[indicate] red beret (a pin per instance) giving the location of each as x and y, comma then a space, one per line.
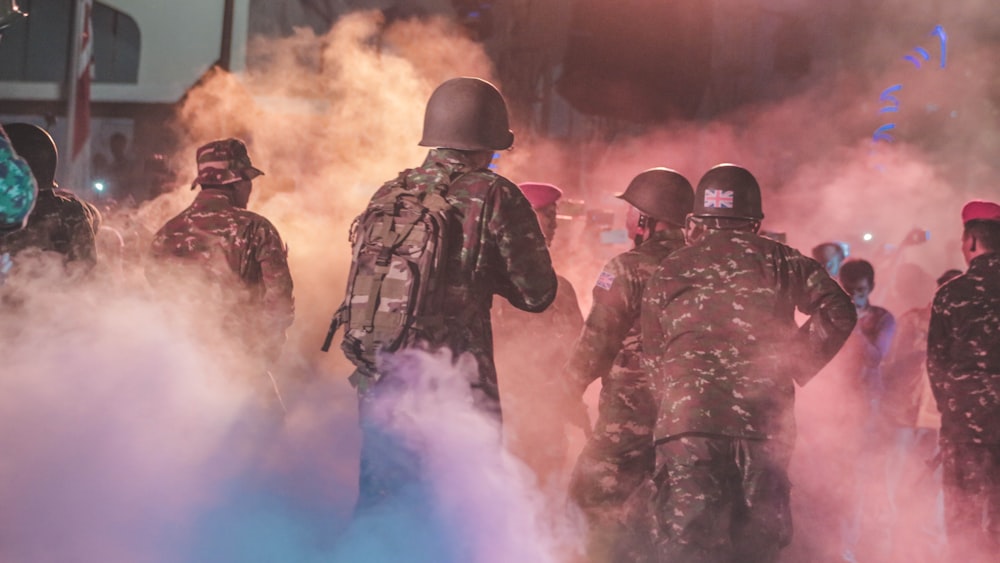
978, 209
539, 195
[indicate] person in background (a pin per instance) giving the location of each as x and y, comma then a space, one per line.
911, 415
232, 251
831, 255
530, 350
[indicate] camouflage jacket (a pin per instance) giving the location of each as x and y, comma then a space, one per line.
609, 346
499, 250
963, 353
720, 341
229, 245
60, 223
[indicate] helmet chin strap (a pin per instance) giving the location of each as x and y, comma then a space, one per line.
645, 226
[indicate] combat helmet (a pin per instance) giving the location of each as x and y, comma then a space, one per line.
468, 114
728, 191
662, 194
36, 147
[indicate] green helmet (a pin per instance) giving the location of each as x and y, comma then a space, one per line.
728, 191
9, 13
661, 193
467, 114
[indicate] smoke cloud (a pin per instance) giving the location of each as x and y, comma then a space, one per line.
134, 434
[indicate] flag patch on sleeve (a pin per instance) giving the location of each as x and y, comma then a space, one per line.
605, 280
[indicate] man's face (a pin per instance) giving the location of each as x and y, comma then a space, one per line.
547, 221
859, 291
830, 258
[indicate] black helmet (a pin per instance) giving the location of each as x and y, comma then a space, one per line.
661, 193
468, 114
36, 147
728, 191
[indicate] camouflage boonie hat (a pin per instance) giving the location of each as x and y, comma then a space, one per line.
224, 162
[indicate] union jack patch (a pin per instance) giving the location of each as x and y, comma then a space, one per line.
605, 280
719, 199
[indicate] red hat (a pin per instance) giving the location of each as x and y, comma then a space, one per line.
978, 209
539, 195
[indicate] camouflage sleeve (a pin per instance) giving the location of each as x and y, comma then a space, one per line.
938, 336
650, 322
831, 312
277, 301
83, 234
613, 313
527, 278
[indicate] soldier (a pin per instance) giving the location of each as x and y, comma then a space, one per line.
618, 455
963, 364
61, 222
530, 348
722, 350
216, 240
498, 250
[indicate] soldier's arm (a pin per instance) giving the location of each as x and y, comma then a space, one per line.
83, 234
277, 300
938, 335
831, 312
614, 311
651, 323
528, 280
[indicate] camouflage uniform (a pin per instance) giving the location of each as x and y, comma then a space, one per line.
963, 363
499, 251
619, 454
229, 247
722, 350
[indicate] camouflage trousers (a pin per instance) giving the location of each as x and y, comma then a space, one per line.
971, 482
616, 460
721, 500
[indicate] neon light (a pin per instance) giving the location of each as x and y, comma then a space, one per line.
943, 38
881, 135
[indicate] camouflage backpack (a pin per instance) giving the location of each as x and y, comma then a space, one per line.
394, 287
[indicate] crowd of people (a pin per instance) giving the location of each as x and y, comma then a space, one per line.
700, 335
